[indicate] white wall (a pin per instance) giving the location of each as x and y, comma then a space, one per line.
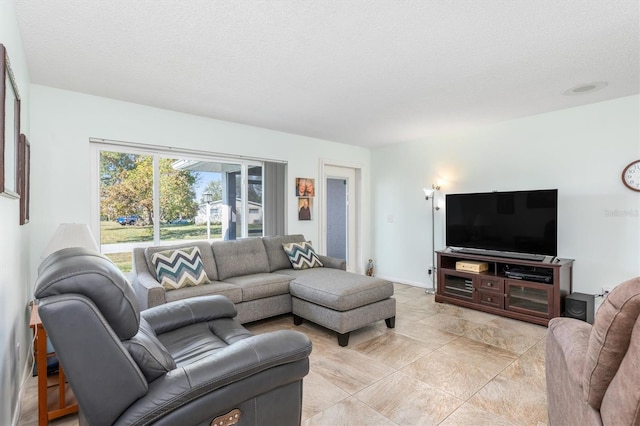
63, 123
14, 249
581, 151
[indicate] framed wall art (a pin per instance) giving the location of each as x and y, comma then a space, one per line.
24, 178
305, 187
9, 127
304, 208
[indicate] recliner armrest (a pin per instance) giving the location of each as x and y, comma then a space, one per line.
572, 338
231, 365
181, 313
333, 262
248, 357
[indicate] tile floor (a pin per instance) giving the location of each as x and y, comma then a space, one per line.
441, 365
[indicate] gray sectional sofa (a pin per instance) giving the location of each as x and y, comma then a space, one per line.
257, 276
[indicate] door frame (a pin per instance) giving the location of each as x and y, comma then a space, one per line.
355, 265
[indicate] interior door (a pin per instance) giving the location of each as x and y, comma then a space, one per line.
337, 213
340, 214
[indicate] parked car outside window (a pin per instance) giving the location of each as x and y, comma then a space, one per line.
128, 220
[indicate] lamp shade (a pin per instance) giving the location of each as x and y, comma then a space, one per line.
71, 235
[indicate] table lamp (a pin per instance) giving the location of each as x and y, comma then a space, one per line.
71, 235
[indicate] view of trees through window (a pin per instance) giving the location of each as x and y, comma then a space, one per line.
185, 191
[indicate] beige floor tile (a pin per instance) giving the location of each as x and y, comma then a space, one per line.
371, 331
529, 368
502, 338
527, 328
450, 323
407, 401
404, 297
395, 350
468, 415
412, 313
516, 401
449, 374
350, 370
478, 354
399, 288
415, 296
537, 351
318, 394
423, 331
348, 412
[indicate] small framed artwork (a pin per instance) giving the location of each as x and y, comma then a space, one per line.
304, 208
305, 187
9, 127
24, 177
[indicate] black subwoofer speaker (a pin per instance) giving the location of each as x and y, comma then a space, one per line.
579, 306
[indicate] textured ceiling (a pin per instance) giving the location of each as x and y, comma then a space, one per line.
363, 72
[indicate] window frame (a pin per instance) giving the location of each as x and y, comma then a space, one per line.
158, 152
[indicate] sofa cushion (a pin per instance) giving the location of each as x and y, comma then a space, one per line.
609, 339
148, 353
337, 289
240, 257
179, 268
301, 255
278, 259
205, 253
230, 291
259, 286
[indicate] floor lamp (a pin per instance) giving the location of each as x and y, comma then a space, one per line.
430, 195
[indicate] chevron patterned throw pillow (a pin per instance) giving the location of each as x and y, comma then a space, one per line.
179, 268
302, 256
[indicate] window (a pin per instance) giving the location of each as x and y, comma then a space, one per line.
148, 198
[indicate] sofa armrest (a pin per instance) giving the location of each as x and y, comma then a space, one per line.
222, 370
332, 262
181, 313
149, 292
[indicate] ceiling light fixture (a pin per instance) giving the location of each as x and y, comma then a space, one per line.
583, 89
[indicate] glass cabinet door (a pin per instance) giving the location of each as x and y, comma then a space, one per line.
529, 298
458, 286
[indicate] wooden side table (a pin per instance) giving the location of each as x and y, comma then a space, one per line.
40, 354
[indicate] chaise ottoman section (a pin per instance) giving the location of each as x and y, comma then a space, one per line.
339, 300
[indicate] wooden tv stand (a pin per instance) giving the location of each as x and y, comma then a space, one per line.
528, 299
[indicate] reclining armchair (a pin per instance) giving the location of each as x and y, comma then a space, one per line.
182, 363
593, 372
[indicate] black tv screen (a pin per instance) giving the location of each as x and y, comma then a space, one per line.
516, 221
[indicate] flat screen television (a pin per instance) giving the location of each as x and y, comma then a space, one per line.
504, 222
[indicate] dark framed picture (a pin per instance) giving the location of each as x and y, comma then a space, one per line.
304, 208
24, 178
305, 187
9, 127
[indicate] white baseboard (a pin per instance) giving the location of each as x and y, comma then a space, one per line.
407, 282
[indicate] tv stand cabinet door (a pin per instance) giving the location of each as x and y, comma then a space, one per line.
457, 285
529, 298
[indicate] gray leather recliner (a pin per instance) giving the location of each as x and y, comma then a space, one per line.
181, 363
